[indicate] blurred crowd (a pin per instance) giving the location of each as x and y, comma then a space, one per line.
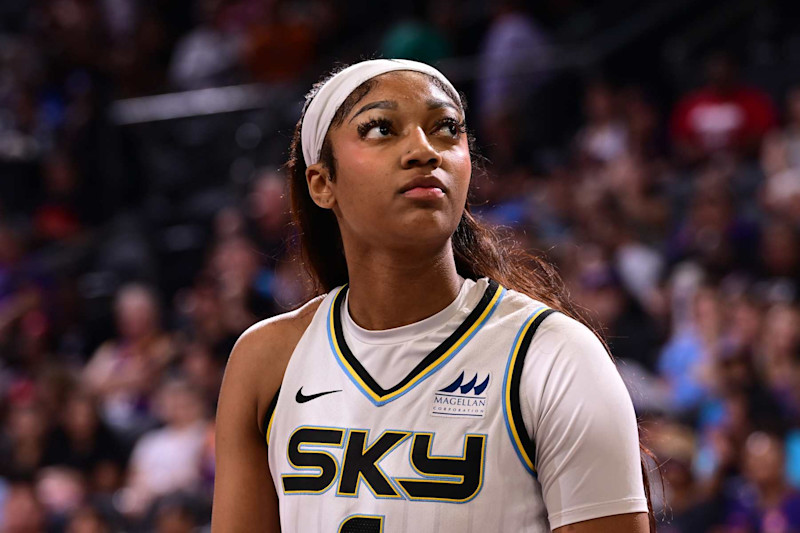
132, 257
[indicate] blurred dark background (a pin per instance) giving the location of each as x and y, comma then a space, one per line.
649, 149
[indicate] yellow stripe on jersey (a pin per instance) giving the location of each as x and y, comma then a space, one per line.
507, 405
269, 426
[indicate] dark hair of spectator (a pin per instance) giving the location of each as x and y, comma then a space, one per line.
480, 250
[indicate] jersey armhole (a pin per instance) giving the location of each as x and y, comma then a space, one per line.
310, 308
269, 416
521, 437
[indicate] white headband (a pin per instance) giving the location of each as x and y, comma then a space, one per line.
326, 102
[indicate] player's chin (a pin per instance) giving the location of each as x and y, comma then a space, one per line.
426, 226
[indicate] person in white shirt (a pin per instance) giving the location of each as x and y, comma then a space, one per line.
168, 459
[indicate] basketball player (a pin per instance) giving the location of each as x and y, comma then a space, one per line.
432, 386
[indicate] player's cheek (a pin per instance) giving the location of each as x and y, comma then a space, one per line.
461, 163
361, 160
363, 205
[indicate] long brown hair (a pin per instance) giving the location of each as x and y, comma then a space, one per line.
480, 250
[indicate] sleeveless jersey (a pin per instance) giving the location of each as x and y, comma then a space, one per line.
447, 448
441, 450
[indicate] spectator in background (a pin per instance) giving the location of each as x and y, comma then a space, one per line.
59, 214
282, 45
175, 515
16, 297
419, 38
267, 210
23, 445
30, 355
780, 161
643, 122
124, 370
203, 370
633, 182
87, 520
169, 460
208, 55
714, 232
552, 207
735, 403
689, 508
617, 222
242, 281
207, 320
723, 116
514, 60
61, 492
745, 321
690, 351
82, 441
22, 512
776, 353
629, 331
72, 32
791, 132
605, 137
779, 260
140, 47
765, 502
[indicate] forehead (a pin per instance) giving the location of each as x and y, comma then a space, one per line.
404, 86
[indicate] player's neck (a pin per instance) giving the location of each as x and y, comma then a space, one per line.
393, 289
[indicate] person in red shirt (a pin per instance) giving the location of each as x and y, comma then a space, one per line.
725, 115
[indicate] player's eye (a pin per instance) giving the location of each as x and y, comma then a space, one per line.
375, 129
450, 127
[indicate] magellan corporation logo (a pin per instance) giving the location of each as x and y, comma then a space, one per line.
464, 397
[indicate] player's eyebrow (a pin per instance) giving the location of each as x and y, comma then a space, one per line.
435, 103
380, 104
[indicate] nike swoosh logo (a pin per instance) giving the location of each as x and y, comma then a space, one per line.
302, 398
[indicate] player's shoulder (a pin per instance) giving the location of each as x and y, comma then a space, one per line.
517, 307
274, 339
566, 343
562, 326
259, 358
556, 332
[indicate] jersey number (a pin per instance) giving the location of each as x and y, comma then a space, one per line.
455, 479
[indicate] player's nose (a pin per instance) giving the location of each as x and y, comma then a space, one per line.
419, 152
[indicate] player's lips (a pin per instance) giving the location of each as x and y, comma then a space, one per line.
424, 187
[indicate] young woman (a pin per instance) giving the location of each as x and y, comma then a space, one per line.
431, 386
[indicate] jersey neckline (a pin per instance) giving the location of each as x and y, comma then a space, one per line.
408, 332
427, 366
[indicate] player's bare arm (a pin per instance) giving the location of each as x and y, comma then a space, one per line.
622, 523
244, 494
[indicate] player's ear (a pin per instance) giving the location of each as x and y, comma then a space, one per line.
320, 188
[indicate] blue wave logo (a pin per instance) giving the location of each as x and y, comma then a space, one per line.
464, 388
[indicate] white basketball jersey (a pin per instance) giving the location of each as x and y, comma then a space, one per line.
444, 449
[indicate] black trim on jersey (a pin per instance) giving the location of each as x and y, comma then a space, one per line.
268, 414
516, 378
430, 358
